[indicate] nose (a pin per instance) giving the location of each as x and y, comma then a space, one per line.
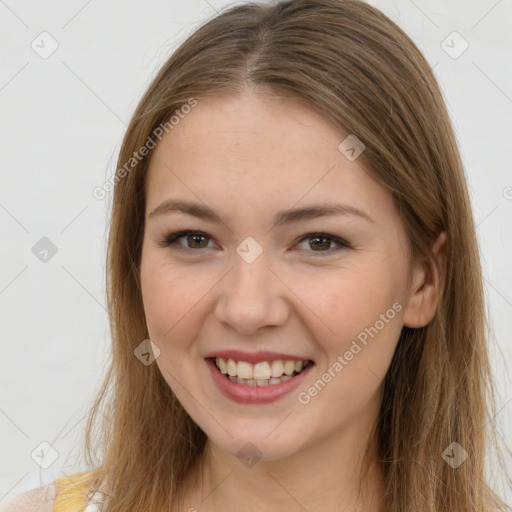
252, 296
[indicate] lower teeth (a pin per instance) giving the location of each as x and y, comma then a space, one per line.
261, 382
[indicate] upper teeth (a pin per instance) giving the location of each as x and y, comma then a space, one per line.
262, 370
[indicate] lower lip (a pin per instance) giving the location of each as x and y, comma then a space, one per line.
254, 394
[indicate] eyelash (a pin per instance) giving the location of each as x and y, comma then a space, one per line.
172, 238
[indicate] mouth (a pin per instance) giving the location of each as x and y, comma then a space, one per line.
260, 374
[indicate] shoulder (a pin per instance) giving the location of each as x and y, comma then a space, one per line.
41, 499
69, 493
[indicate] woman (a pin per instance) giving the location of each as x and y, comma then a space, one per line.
294, 281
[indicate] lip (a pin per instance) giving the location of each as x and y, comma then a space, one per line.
255, 357
254, 394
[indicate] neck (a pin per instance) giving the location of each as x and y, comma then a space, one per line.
324, 476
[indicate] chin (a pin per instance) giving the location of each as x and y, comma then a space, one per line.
251, 444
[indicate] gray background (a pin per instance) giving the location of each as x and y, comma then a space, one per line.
62, 121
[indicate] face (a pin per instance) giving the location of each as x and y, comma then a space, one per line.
330, 289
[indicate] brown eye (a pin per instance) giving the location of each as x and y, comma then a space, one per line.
322, 242
196, 241
193, 240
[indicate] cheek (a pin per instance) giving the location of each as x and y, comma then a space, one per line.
360, 309
169, 296
169, 300
351, 299
364, 311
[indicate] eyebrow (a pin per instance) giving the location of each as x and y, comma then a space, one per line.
281, 218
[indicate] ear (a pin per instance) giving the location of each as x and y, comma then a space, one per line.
427, 285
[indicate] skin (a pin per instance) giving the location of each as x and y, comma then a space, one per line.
248, 156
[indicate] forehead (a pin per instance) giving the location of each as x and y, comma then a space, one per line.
247, 149
251, 127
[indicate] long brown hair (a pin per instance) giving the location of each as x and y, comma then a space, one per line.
357, 68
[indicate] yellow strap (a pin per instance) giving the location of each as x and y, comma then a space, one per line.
71, 492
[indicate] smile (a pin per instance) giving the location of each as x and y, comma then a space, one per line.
261, 374
257, 391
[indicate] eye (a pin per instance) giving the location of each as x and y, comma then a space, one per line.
199, 240
322, 241
196, 237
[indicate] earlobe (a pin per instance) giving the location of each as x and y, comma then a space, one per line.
427, 286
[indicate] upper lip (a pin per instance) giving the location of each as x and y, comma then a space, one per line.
255, 357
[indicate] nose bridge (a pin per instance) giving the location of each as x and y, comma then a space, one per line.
251, 294
250, 275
